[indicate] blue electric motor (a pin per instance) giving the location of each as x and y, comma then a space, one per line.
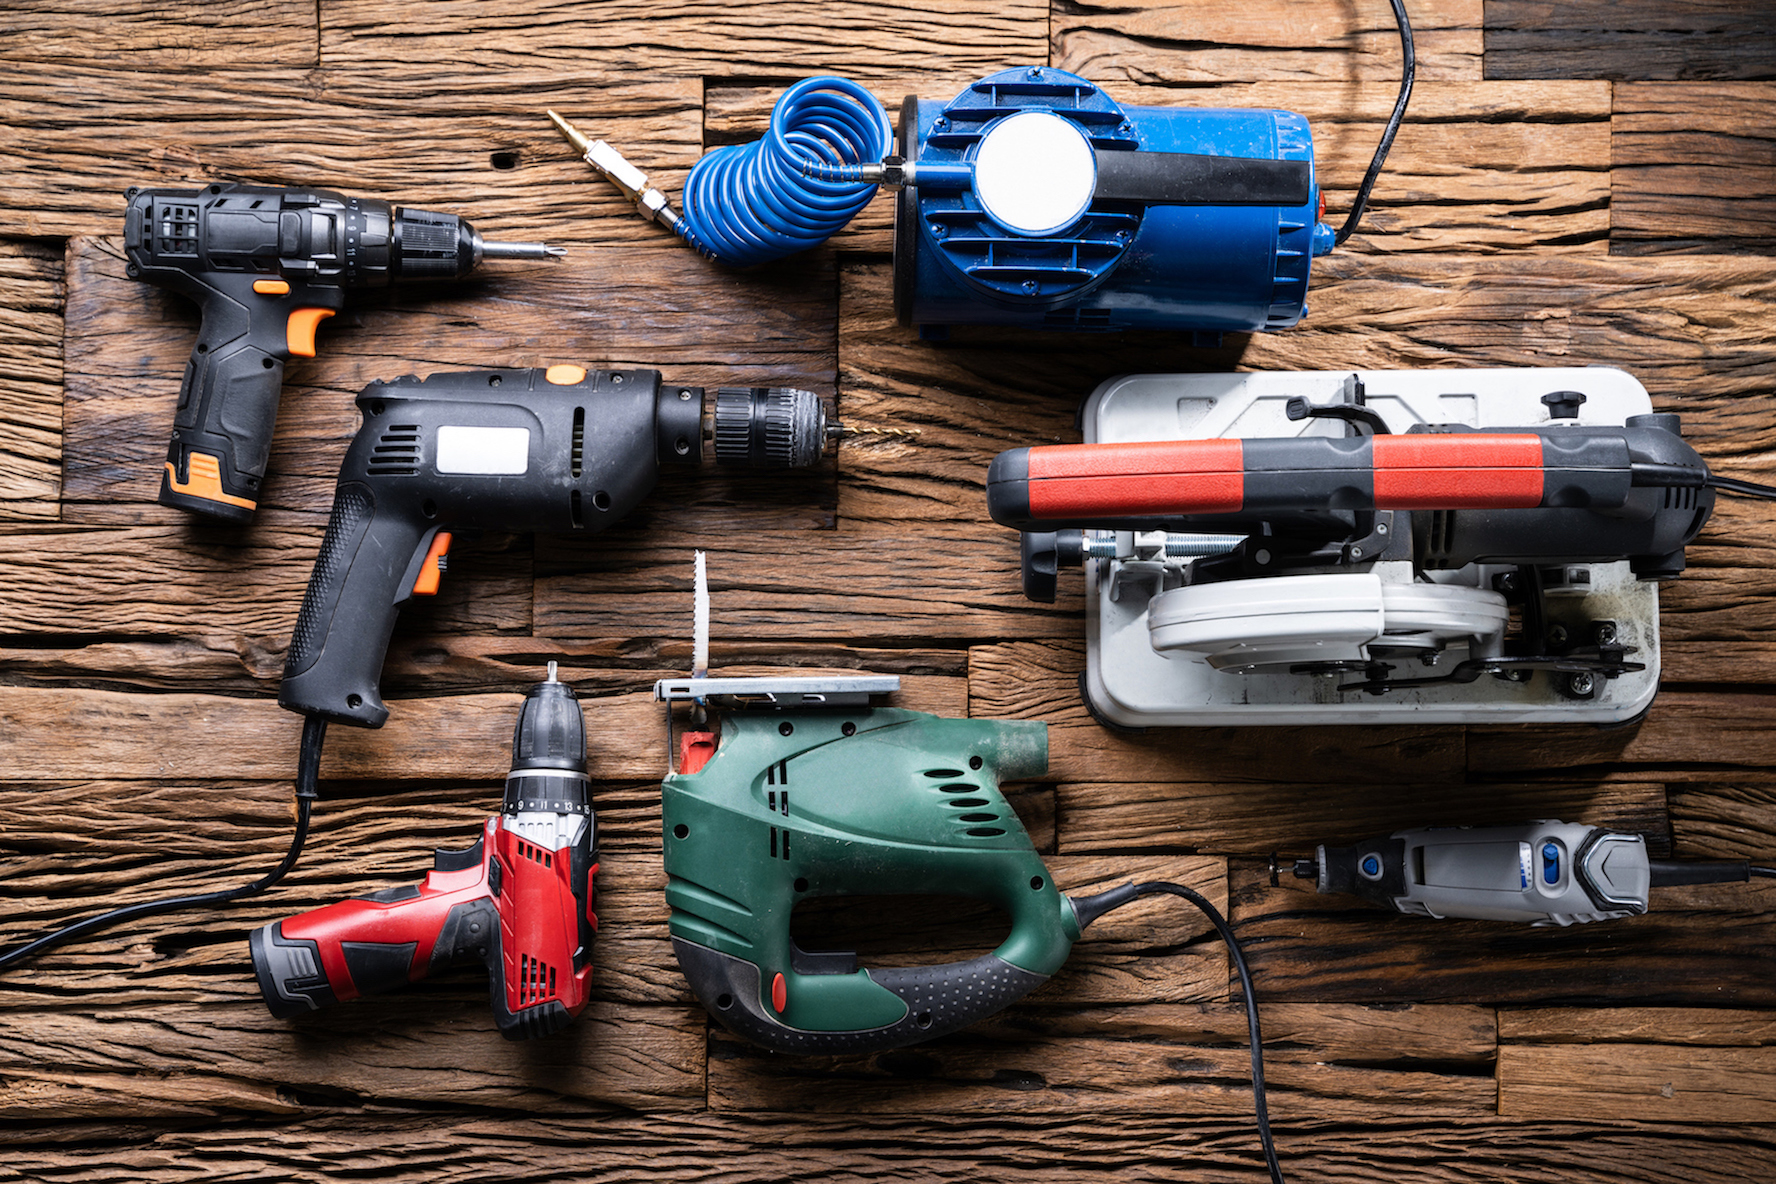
1061, 209
1032, 198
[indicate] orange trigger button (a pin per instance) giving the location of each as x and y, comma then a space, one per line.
299, 332
431, 570
271, 287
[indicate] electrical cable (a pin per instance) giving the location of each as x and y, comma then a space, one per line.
1742, 488
753, 203
1089, 908
1655, 475
1408, 71
308, 766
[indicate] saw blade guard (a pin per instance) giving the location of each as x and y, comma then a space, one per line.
1272, 624
795, 805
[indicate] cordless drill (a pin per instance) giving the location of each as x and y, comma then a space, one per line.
564, 450
519, 900
266, 264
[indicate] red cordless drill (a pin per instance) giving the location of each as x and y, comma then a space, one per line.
519, 900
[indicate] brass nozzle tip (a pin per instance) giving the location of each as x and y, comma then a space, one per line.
581, 144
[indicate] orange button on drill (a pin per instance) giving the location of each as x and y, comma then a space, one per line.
565, 375
299, 332
271, 287
431, 569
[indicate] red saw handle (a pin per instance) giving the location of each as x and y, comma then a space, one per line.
1103, 484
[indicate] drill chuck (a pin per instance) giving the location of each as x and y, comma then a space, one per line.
434, 246
551, 729
769, 427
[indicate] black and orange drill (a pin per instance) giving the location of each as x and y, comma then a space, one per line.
266, 265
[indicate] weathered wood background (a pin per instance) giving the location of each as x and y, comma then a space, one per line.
1577, 183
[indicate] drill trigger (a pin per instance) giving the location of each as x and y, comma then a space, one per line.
425, 567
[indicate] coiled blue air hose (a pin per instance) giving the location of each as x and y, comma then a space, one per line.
753, 203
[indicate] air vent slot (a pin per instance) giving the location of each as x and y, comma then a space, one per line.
536, 980
175, 229
396, 452
578, 456
944, 773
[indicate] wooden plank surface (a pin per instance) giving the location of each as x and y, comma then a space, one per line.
1629, 40
1533, 213
1181, 41
859, 38
1692, 163
31, 296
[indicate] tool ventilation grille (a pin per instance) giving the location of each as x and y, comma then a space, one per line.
175, 229
396, 452
536, 980
976, 812
1013, 265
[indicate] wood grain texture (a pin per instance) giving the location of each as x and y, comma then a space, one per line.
427, 135
728, 1148
1629, 40
858, 38
1694, 168
1193, 41
184, 34
1637, 1083
1244, 819
31, 329
141, 751
1332, 1063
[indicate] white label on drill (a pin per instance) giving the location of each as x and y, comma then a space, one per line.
503, 452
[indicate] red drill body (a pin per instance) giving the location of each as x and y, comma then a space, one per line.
519, 900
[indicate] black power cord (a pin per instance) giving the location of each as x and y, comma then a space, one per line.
308, 767
1408, 71
1090, 908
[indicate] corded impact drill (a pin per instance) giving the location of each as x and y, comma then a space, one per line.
519, 900
266, 264
563, 450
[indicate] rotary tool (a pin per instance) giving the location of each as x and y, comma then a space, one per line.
266, 264
519, 900
1031, 198
1542, 873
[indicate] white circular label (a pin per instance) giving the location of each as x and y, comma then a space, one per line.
1035, 172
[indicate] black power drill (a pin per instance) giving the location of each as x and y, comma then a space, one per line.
266, 264
519, 900
562, 450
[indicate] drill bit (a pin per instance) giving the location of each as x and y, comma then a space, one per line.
521, 251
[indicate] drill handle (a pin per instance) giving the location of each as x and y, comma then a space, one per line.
369, 562
228, 400
373, 944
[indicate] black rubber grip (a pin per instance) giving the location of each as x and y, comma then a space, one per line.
1191, 179
940, 999
349, 611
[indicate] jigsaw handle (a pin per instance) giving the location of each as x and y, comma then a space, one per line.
937, 999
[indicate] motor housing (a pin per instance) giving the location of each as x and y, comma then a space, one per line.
1120, 263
